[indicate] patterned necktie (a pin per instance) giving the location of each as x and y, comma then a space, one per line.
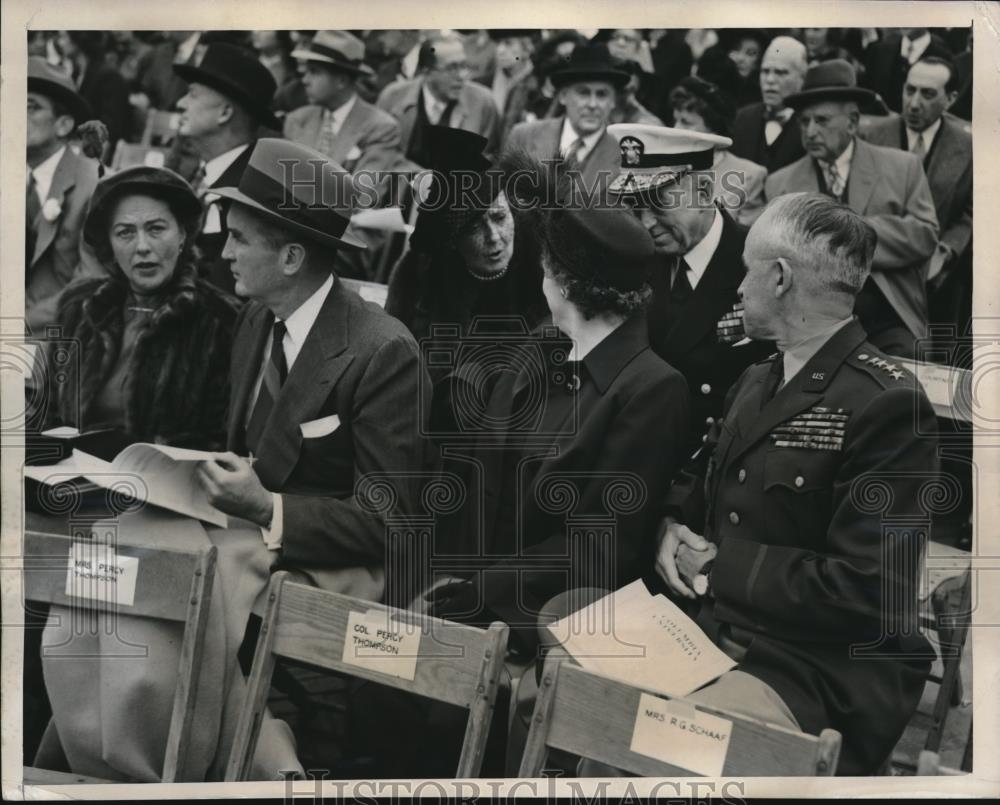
198, 181
327, 134
275, 373
834, 181
32, 208
572, 154
918, 147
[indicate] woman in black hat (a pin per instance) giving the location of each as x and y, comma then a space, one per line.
699, 105
466, 256
154, 340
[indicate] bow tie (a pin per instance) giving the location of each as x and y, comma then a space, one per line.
780, 115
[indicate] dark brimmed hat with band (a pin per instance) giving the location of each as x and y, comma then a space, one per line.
835, 80
590, 62
238, 74
46, 80
299, 189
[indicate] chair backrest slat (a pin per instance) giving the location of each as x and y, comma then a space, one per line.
162, 584
595, 717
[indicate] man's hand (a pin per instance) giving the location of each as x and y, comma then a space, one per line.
234, 488
674, 536
690, 562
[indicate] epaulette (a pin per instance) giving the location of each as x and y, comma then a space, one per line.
884, 369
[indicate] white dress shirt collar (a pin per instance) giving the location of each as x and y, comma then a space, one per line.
433, 106
339, 114
217, 166
45, 172
302, 320
799, 354
699, 257
569, 136
928, 135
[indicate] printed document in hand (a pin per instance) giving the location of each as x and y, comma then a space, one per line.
154, 473
644, 640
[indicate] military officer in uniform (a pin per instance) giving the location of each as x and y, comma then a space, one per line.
694, 317
797, 575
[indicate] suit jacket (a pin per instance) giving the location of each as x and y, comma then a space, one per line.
808, 563
888, 187
540, 139
214, 268
689, 343
749, 141
60, 255
474, 111
886, 69
948, 166
739, 187
618, 441
359, 364
368, 138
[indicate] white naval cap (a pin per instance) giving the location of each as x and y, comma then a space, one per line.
655, 155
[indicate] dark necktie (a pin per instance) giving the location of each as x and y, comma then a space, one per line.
774, 378
680, 289
32, 208
275, 373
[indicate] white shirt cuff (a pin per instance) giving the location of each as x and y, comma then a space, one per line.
272, 535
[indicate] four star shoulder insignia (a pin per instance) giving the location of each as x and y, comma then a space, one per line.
894, 371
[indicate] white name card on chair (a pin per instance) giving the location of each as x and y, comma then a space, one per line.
376, 643
96, 572
677, 733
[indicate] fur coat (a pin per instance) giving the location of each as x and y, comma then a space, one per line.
177, 388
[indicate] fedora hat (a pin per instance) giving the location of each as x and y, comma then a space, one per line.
589, 62
238, 74
299, 189
835, 80
46, 80
337, 48
159, 183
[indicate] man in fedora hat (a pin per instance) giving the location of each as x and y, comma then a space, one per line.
586, 84
885, 185
667, 177
324, 386
58, 188
440, 95
227, 101
346, 128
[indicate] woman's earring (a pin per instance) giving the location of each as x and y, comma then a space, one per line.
562, 292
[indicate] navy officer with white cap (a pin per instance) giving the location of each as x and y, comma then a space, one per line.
694, 316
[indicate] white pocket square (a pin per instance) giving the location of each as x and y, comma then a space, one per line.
320, 427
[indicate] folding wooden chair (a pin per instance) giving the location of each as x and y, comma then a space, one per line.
594, 717
129, 155
161, 127
457, 664
171, 585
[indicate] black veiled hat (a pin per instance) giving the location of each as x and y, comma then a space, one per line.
159, 183
458, 186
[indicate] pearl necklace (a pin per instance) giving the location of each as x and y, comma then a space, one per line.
488, 277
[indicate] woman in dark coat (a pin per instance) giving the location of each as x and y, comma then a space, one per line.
152, 341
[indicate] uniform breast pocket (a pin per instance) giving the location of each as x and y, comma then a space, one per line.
798, 487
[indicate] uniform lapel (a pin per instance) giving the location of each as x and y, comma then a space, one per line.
801, 392
319, 365
864, 173
63, 181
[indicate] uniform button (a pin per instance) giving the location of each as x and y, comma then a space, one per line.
706, 389
742, 475
734, 518
799, 481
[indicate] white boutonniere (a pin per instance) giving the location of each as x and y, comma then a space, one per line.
51, 209
353, 154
